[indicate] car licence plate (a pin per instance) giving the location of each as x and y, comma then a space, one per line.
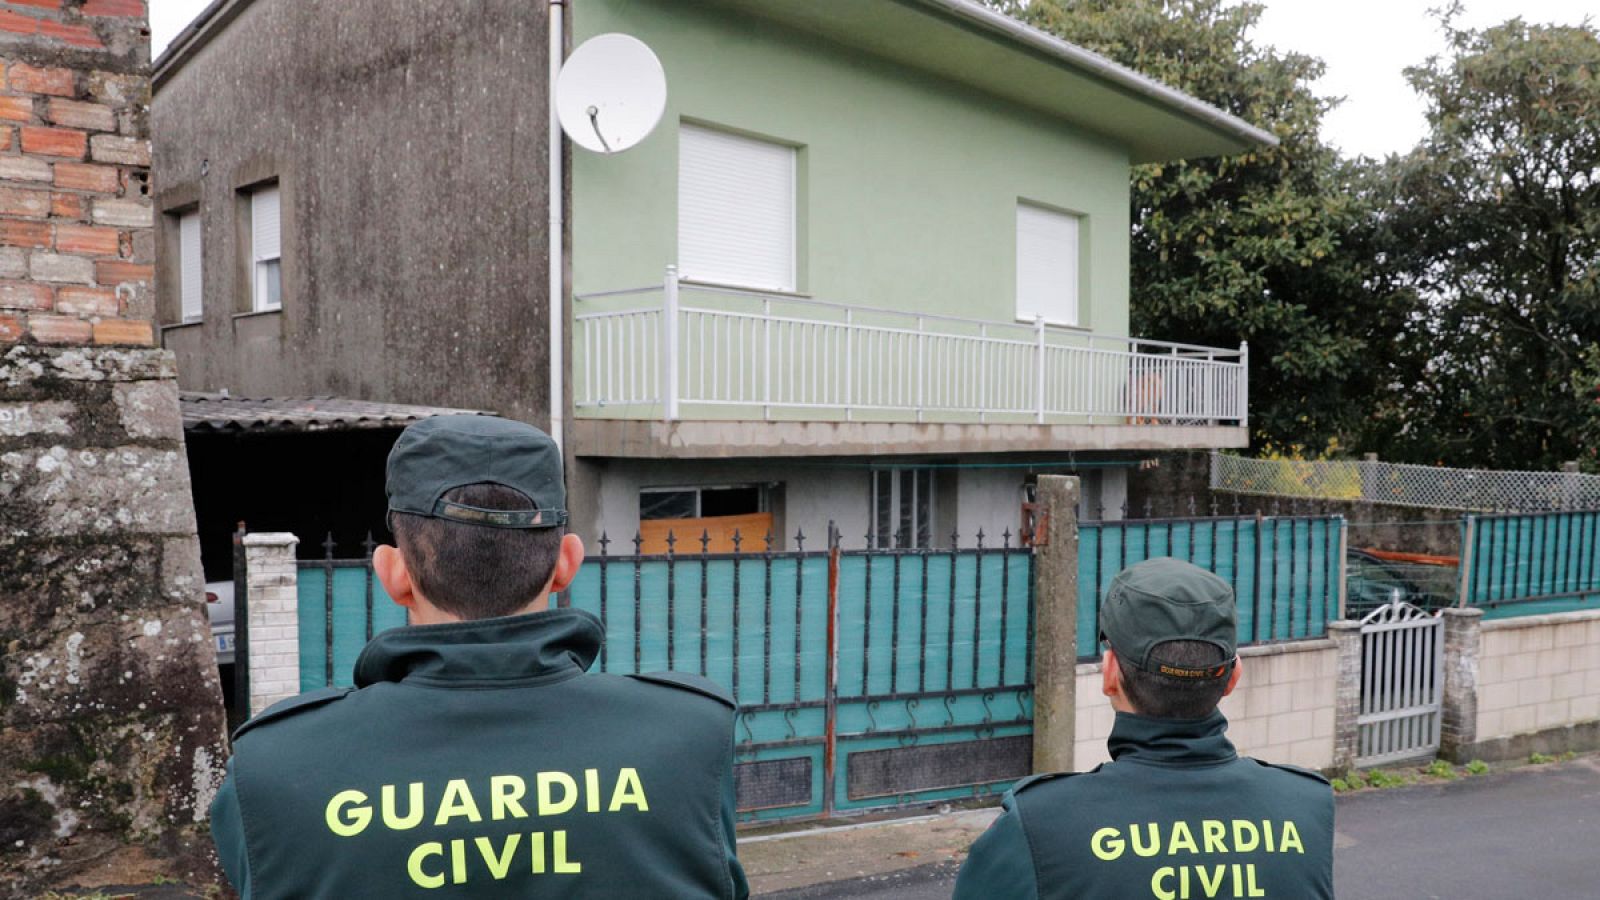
224, 643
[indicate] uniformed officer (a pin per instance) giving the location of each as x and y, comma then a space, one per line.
475, 757
1177, 813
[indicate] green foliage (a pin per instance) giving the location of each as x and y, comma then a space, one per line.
1379, 778
1539, 759
1477, 767
1440, 769
1339, 785
1275, 246
1495, 220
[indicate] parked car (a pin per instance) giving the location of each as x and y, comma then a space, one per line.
219, 609
1372, 580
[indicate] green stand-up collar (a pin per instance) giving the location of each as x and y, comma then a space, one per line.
1171, 741
552, 645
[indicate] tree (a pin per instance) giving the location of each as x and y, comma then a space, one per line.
1275, 246
1496, 223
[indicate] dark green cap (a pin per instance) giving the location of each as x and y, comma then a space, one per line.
437, 455
1167, 599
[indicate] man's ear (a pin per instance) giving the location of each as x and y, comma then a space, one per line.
1110, 674
568, 561
394, 576
1233, 677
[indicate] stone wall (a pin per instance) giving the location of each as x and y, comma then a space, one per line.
111, 723
1283, 710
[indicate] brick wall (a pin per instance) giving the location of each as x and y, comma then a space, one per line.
1282, 711
1538, 685
111, 726
76, 249
274, 647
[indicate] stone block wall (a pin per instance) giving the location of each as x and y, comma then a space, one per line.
1283, 710
1538, 686
111, 723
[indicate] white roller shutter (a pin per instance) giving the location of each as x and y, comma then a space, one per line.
736, 209
264, 243
189, 265
1047, 265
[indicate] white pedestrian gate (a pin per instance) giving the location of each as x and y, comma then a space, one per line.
1402, 684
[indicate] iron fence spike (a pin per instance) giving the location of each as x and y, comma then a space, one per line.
769, 540
605, 541
800, 540
1005, 537
705, 540
736, 540
638, 542
980, 537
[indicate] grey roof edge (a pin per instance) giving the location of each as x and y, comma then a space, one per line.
200, 30
221, 413
1114, 72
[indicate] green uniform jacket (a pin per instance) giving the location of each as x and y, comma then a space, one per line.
1175, 814
477, 759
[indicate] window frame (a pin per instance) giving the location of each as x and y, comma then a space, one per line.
1075, 283
792, 277
259, 274
927, 510
763, 496
180, 218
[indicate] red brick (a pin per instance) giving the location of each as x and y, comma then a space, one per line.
23, 202
75, 34
21, 233
68, 206
5, 137
10, 329
124, 331
17, 109
112, 7
36, 80
54, 141
42, 4
77, 114
88, 177
60, 330
17, 23
24, 295
111, 272
86, 301
87, 240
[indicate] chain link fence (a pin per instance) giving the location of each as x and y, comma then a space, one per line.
1400, 484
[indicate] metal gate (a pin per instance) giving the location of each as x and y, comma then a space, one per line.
1402, 684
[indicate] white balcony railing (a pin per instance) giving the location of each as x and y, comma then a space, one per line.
728, 353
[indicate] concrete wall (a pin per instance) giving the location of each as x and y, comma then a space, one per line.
1281, 712
908, 184
808, 496
410, 152
1538, 685
111, 720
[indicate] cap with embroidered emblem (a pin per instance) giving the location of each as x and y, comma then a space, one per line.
1166, 599
437, 455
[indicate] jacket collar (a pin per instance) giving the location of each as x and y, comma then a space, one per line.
551, 645
1171, 741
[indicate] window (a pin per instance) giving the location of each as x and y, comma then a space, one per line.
1047, 265
902, 508
736, 209
265, 251
699, 502
189, 266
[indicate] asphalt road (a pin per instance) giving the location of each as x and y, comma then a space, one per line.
1529, 832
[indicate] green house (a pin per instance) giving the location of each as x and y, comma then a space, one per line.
872, 268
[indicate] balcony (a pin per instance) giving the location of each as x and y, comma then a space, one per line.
683, 361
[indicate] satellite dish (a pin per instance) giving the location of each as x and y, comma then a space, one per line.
611, 93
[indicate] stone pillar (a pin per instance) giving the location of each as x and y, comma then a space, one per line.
1346, 637
1055, 633
1459, 723
111, 719
272, 585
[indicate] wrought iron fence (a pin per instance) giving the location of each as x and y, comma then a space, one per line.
1286, 571
341, 605
1402, 484
1525, 564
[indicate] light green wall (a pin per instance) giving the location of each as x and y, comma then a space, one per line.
908, 185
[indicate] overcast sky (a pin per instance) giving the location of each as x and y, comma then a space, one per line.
1366, 44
